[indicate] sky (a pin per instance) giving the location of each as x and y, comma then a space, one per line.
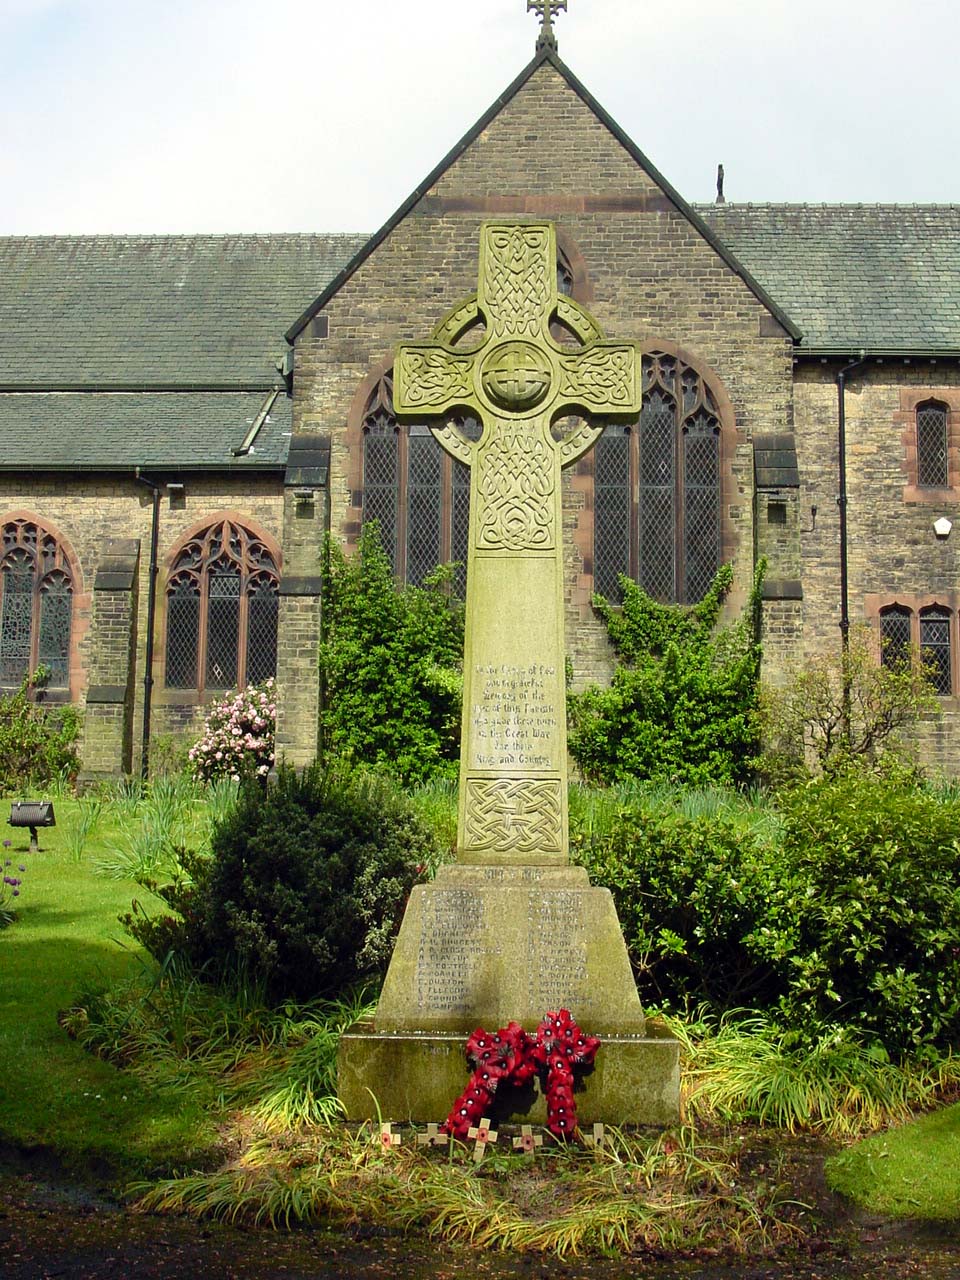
179, 116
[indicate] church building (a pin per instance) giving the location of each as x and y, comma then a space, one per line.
183, 419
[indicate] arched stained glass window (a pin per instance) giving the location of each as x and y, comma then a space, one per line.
657, 488
222, 605
417, 493
36, 605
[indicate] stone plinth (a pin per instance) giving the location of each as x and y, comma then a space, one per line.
487, 945
416, 1078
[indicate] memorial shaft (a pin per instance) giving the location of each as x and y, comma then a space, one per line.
517, 383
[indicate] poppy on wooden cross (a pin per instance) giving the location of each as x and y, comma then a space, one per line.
528, 1141
483, 1134
388, 1139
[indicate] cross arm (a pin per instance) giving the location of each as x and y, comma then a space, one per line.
429, 378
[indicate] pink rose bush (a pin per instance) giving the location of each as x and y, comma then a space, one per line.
238, 736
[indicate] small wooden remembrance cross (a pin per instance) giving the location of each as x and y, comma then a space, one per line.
483, 1134
518, 382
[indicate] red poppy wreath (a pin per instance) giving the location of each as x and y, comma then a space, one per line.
511, 1058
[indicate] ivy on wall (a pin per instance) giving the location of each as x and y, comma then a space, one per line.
683, 705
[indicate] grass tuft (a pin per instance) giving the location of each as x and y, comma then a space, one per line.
744, 1070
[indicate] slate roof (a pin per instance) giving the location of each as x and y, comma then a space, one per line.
135, 314
881, 277
156, 310
110, 431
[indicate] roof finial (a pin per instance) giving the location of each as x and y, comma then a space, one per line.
721, 198
546, 10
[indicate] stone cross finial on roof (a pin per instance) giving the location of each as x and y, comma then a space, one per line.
546, 11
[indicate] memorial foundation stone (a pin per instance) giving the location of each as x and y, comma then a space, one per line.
512, 929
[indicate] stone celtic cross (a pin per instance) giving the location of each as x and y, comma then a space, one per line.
517, 382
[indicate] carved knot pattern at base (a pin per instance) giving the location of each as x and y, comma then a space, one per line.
520, 815
433, 379
604, 379
517, 280
515, 488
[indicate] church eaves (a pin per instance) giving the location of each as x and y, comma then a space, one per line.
545, 55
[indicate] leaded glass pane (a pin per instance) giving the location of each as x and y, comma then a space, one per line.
611, 516
223, 624
459, 523
932, 446
935, 649
701, 501
424, 492
381, 480
16, 618
657, 497
56, 611
183, 634
262, 611
895, 636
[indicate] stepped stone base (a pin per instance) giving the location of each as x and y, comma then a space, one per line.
416, 1078
484, 945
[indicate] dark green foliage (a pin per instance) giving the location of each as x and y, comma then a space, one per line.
845, 918
865, 928
305, 886
37, 743
690, 893
683, 704
390, 666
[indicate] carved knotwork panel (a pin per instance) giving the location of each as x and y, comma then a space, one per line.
516, 484
518, 279
603, 380
514, 815
431, 379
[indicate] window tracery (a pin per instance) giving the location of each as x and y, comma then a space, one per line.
417, 493
222, 605
36, 605
657, 485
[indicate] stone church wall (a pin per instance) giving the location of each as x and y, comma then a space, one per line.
894, 556
89, 514
642, 269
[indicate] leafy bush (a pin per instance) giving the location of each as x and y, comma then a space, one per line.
690, 893
865, 927
305, 885
683, 704
845, 705
237, 738
37, 743
390, 666
844, 917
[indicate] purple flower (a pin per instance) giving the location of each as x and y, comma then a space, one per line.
15, 894
7, 844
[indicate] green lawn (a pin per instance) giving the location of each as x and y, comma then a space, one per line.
911, 1172
66, 938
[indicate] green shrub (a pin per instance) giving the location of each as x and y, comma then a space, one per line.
390, 666
683, 704
843, 916
690, 893
37, 743
865, 927
305, 885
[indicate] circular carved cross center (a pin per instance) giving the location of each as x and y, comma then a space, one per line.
516, 376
